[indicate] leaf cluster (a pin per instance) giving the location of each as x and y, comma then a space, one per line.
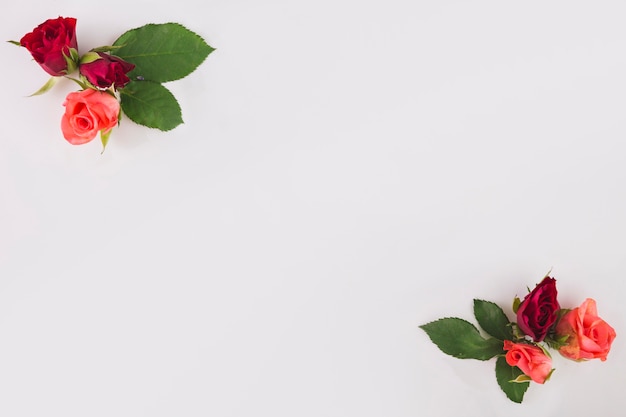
461, 339
160, 53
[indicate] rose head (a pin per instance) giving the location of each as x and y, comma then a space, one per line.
104, 70
590, 337
50, 44
538, 311
531, 360
88, 112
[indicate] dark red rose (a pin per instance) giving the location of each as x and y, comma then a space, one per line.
50, 44
104, 70
539, 309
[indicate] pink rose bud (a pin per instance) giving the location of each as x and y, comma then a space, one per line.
50, 44
538, 311
88, 112
531, 360
588, 336
104, 70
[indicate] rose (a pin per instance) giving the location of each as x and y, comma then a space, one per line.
104, 70
531, 360
88, 112
539, 309
588, 336
52, 44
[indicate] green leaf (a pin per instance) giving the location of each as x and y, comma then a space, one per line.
150, 104
492, 319
459, 338
516, 304
16, 43
508, 377
46, 87
162, 52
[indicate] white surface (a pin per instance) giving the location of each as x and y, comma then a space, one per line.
347, 171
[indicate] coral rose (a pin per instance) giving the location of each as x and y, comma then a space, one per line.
589, 337
538, 311
531, 360
50, 44
88, 112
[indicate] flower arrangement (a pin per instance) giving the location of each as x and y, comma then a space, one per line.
521, 347
126, 76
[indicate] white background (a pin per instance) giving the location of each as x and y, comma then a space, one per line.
347, 171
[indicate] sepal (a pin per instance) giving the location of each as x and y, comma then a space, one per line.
89, 57
46, 87
107, 48
82, 83
521, 378
543, 349
71, 60
557, 343
104, 138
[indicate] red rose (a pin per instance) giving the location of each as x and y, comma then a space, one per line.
104, 70
50, 44
538, 311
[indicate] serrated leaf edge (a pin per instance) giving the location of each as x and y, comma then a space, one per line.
129, 58
123, 93
463, 320
499, 360
482, 324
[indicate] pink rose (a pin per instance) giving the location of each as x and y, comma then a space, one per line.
538, 311
530, 359
50, 44
590, 337
88, 112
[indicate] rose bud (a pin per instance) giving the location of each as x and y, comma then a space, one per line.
588, 336
53, 45
104, 70
531, 360
88, 112
539, 310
